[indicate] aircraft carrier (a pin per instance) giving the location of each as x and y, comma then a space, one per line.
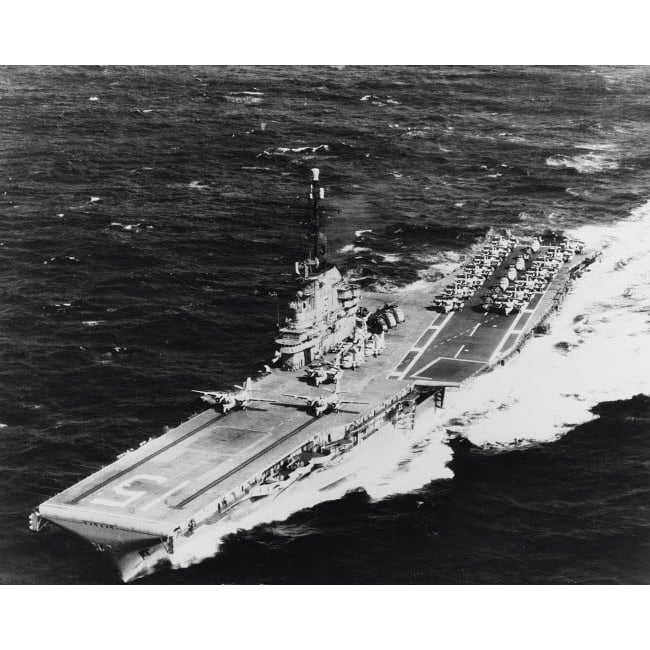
346, 368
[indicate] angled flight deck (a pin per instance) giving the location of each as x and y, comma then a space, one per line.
458, 345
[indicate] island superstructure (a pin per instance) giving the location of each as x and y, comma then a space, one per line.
343, 370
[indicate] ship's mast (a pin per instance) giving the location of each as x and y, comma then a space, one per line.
316, 194
319, 247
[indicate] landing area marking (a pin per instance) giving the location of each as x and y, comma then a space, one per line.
447, 369
425, 347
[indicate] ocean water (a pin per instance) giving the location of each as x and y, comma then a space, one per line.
150, 215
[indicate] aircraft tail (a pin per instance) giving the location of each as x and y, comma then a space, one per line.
248, 385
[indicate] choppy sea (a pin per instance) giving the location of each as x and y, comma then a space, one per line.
148, 217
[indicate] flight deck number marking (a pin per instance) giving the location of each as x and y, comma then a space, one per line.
131, 495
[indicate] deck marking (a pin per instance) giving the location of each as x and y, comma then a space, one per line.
428, 343
241, 466
505, 338
162, 497
460, 349
514, 324
475, 328
418, 374
131, 495
121, 473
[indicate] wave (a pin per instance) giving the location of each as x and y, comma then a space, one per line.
124, 226
351, 248
391, 258
63, 259
245, 97
379, 101
589, 163
281, 151
581, 194
597, 146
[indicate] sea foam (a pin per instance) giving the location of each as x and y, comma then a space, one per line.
589, 163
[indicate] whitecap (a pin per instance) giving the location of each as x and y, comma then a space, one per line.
351, 248
391, 258
127, 226
590, 163
94, 199
91, 323
597, 146
93, 99
358, 233
196, 185
244, 98
285, 150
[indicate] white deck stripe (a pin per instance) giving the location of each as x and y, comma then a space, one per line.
460, 349
428, 343
432, 363
511, 329
475, 328
162, 497
502, 342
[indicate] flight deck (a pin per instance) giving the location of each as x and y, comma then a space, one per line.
205, 461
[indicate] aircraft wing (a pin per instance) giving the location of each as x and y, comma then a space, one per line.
351, 402
261, 399
307, 399
211, 393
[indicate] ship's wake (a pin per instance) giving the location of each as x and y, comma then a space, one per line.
594, 353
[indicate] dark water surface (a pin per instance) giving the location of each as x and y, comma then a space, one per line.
148, 217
